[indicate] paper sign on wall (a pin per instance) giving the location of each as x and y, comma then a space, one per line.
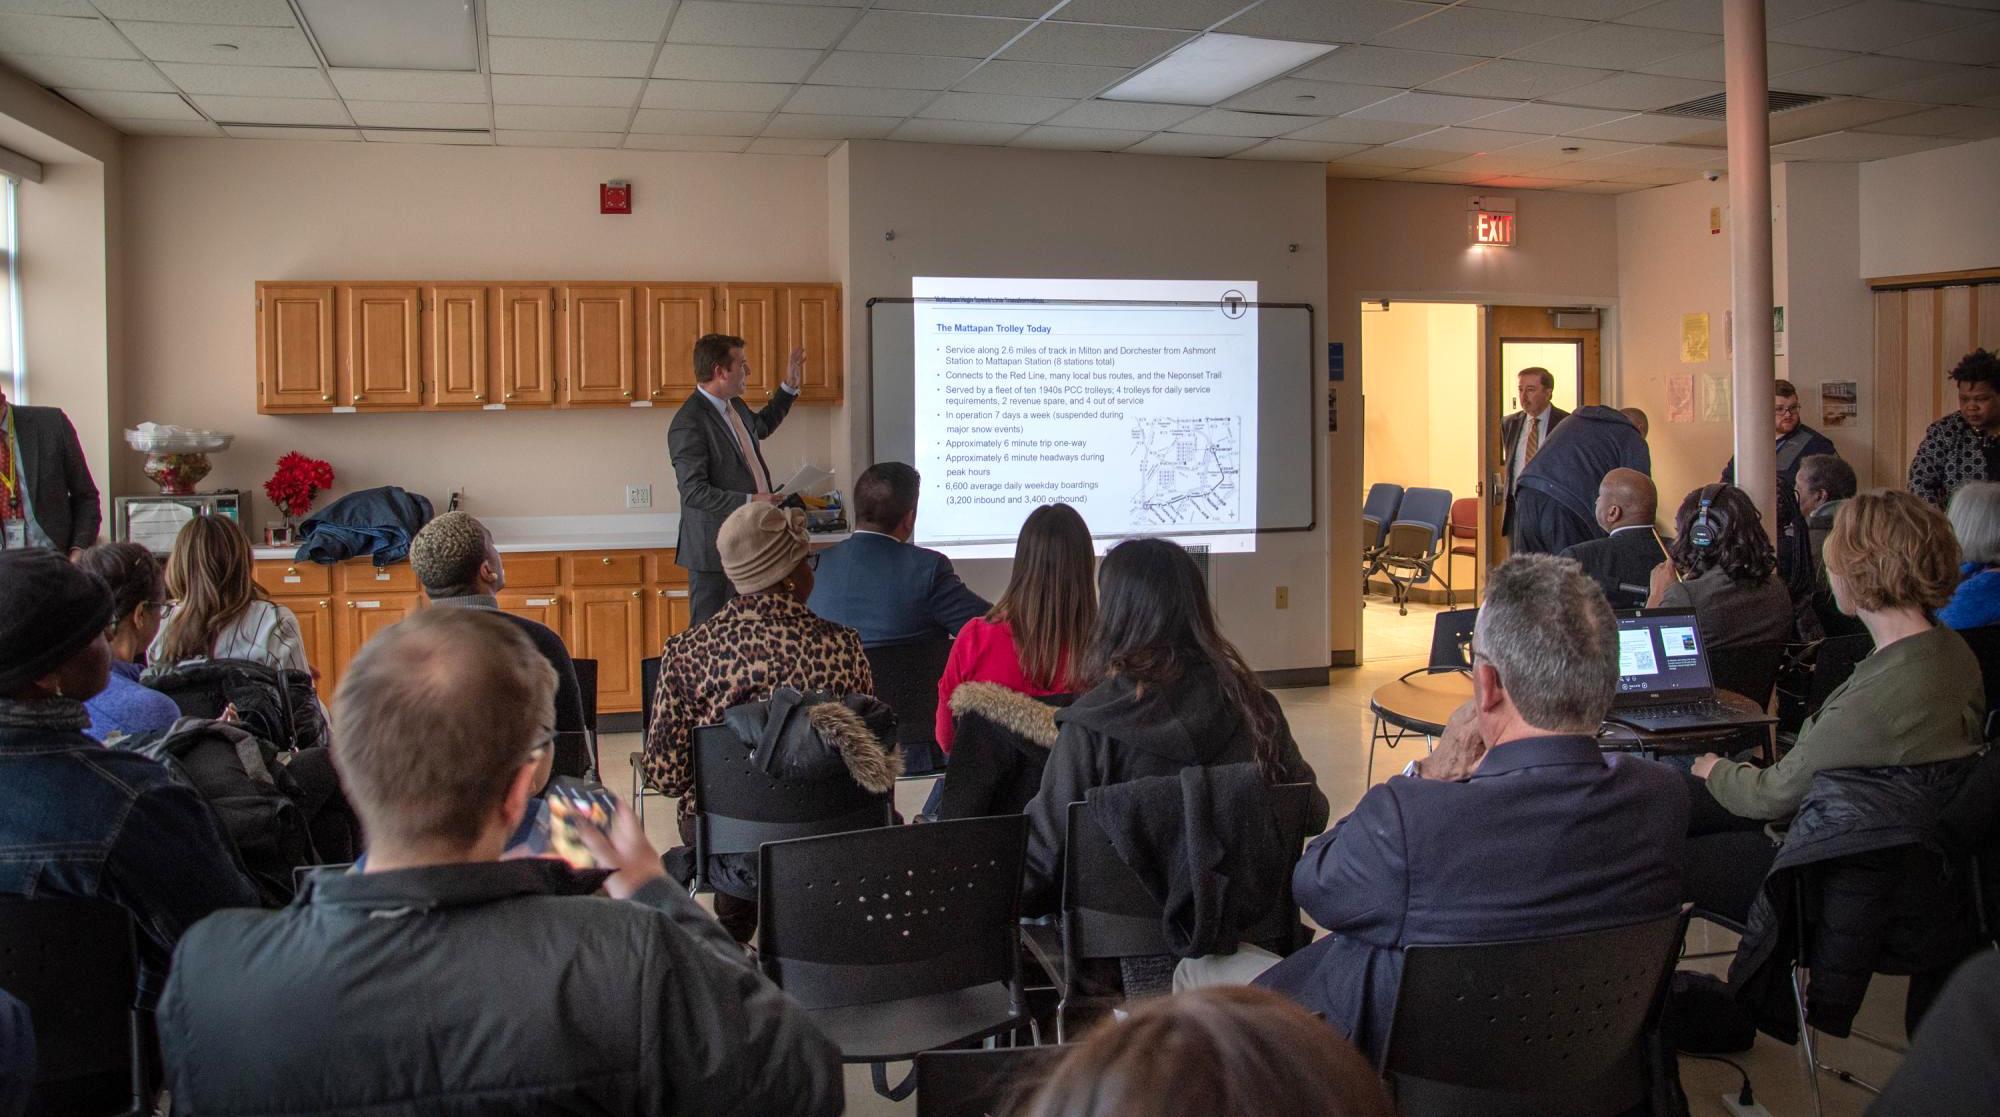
1777, 331
1694, 338
1680, 398
1715, 399
1839, 403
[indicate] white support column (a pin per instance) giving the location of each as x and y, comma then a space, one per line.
1749, 133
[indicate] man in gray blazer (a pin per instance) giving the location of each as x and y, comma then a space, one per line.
717, 461
47, 498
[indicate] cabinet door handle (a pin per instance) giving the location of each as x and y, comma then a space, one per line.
479, 395
358, 397
326, 399
635, 593
291, 570
324, 604
606, 560
628, 395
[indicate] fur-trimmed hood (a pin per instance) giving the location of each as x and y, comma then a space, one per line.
811, 736
1031, 719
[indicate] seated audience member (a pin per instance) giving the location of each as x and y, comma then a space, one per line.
454, 559
881, 585
1006, 665
763, 638
79, 819
138, 597
1961, 446
1955, 1054
1174, 693
515, 988
219, 611
1721, 565
1554, 497
1517, 827
1622, 562
1229, 1051
1824, 482
1975, 520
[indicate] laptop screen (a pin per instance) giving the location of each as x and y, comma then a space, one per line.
1660, 652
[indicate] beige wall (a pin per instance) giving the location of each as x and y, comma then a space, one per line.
206, 219
1422, 359
1829, 314
1000, 212
1932, 211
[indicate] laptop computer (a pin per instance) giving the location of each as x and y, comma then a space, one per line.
1664, 685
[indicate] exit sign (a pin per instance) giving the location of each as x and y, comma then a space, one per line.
1491, 221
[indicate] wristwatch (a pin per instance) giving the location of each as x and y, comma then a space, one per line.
1411, 770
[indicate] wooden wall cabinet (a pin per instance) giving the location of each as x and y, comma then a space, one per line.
524, 343
600, 345
756, 314
812, 323
295, 347
675, 318
381, 366
456, 335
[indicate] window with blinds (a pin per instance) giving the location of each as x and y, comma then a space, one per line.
10, 294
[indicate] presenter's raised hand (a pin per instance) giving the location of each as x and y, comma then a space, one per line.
795, 369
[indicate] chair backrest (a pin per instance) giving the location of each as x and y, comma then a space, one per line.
1985, 643
979, 1083
649, 682
1292, 806
586, 689
1379, 509
1833, 661
1420, 525
1542, 1026
899, 912
1750, 670
1107, 912
906, 677
72, 962
1465, 518
1451, 639
741, 808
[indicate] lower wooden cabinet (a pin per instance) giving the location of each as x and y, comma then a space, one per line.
362, 617
544, 606
607, 625
315, 615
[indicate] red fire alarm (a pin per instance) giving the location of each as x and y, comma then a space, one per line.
614, 197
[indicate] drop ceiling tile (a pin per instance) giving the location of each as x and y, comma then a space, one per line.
690, 122
420, 136
1442, 178
734, 63
312, 135
642, 142
1605, 188
1779, 59
270, 110
164, 127
1706, 15
409, 85
1962, 121
1468, 140
129, 76
1638, 92
1647, 129
1045, 79
801, 126
1874, 24
249, 81
1299, 151
594, 58
1526, 182
573, 118
1309, 98
1078, 44
925, 33
724, 96
994, 107
50, 7
1577, 9
1401, 156
891, 71
1357, 170
136, 106
956, 132
254, 13
759, 25
1199, 147
1972, 46
1832, 116
202, 42
1858, 145
1431, 108
851, 100
1548, 119
1477, 31
1224, 122
1856, 74
1963, 85
1512, 78
409, 114
634, 20
1565, 149
1616, 46
1189, 15
1404, 69
1057, 138
1318, 21
780, 146
77, 38
1660, 155
1011, 9
1572, 172
1505, 163
559, 139
528, 89
1353, 130
1137, 115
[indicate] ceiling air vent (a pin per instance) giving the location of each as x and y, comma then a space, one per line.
1716, 105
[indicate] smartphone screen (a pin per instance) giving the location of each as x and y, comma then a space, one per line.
571, 809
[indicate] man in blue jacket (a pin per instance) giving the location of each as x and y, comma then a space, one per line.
1517, 827
880, 584
1556, 498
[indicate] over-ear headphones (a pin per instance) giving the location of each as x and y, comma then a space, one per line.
1709, 523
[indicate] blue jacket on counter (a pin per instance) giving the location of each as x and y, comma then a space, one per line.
378, 522
892, 592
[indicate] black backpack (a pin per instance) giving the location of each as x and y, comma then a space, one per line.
244, 780
279, 706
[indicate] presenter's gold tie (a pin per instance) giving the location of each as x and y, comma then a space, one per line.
1534, 440
748, 451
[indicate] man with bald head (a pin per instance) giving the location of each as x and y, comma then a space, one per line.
1623, 561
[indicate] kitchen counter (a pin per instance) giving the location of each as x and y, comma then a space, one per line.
635, 531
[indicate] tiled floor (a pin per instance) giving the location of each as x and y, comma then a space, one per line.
1332, 727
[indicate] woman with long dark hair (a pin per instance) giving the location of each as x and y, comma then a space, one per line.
1722, 565
1170, 693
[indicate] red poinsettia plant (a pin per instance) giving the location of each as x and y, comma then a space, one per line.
297, 481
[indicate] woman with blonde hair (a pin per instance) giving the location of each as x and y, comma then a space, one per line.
219, 611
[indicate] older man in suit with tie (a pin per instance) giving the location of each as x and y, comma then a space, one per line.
47, 498
717, 462
1523, 432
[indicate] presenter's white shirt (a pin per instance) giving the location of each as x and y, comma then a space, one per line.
722, 409
1521, 441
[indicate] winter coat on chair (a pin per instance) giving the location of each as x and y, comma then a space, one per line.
1001, 744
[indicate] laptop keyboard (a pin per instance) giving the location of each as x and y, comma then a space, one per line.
1702, 708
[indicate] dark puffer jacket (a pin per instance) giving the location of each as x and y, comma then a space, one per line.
1882, 897
1000, 744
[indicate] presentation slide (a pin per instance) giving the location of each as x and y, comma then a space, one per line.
1678, 642
1134, 401
1635, 653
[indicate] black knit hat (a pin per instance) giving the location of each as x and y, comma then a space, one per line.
49, 610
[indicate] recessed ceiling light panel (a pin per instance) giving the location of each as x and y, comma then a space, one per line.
394, 34
1214, 68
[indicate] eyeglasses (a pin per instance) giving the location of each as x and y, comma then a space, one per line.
546, 742
1783, 409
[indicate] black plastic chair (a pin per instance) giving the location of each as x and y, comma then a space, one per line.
906, 677
1107, 914
1750, 670
1377, 511
979, 1082
649, 682
1544, 1027
1451, 640
899, 940
586, 690
741, 808
1985, 644
73, 962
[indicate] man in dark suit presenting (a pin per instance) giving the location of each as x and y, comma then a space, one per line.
1523, 432
1622, 562
47, 498
717, 463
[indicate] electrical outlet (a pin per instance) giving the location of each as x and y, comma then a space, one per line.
1738, 1109
1284, 597
638, 496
